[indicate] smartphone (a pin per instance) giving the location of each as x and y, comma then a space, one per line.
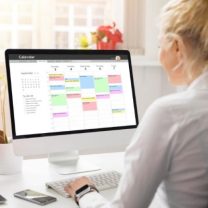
2, 199
35, 197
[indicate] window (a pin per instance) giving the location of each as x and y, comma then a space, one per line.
60, 23
48, 23
74, 19
16, 24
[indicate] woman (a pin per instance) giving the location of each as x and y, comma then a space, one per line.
168, 157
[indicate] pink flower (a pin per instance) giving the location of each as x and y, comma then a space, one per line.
109, 32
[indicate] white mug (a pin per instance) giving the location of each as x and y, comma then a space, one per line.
9, 162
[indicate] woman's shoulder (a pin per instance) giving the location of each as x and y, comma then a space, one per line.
173, 101
171, 105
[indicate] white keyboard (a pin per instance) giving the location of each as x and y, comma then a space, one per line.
102, 181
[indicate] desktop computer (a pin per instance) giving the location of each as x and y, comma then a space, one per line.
66, 100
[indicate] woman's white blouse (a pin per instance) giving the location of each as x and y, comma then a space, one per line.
166, 164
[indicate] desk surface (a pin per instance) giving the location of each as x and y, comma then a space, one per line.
38, 171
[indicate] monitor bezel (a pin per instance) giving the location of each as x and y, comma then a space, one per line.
66, 52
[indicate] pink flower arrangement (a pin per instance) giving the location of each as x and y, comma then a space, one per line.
107, 37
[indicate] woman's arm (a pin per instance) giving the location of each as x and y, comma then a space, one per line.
147, 161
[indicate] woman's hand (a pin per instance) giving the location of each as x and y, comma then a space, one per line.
76, 184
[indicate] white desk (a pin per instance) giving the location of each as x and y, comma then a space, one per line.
36, 172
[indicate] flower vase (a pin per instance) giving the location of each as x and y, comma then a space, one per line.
9, 162
101, 45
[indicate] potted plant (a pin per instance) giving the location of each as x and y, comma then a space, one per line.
107, 37
9, 162
3, 137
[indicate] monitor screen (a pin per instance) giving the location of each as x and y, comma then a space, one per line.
55, 92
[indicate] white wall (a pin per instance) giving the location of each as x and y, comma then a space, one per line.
150, 79
152, 8
150, 83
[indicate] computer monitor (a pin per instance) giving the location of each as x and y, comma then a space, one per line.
64, 100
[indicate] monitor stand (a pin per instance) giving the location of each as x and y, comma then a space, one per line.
70, 163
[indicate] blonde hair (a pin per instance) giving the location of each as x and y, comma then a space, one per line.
189, 20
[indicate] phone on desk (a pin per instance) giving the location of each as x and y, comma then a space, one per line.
35, 197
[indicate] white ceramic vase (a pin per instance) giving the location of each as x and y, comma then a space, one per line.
9, 162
